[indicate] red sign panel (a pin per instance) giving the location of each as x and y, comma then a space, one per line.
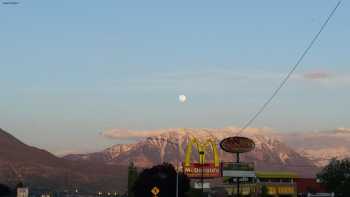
194, 170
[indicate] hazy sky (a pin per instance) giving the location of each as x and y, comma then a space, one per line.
71, 69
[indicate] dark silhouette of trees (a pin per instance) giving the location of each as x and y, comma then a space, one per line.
194, 192
132, 176
19, 185
163, 177
264, 191
336, 177
5, 190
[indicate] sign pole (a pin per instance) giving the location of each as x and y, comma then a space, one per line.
177, 178
177, 169
237, 160
202, 180
237, 145
196, 170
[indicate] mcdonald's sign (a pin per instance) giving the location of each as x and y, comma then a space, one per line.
202, 168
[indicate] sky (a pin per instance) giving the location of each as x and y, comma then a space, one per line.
73, 69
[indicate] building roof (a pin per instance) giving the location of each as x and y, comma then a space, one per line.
265, 174
305, 185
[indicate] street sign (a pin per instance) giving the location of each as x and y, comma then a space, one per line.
243, 166
240, 179
232, 169
198, 185
233, 173
155, 191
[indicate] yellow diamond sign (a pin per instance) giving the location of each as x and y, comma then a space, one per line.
155, 191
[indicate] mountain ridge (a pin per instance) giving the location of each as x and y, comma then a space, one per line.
318, 146
269, 154
38, 168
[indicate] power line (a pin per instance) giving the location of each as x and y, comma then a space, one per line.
284, 81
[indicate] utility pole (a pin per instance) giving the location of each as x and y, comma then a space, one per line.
177, 169
237, 161
201, 153
177, 179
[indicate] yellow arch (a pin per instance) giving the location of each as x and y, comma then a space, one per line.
201, 148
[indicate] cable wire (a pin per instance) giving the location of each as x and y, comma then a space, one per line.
284, 81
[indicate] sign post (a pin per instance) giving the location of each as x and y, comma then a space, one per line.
155, 191
202, 169
237, 161
237, 145
201, 153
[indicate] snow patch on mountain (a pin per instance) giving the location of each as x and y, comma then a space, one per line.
321, 157
284, 157
124, 134
320, 146
116, 150
169, 145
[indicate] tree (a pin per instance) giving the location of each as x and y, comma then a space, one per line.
311, 190
5, 190
132, 176
164, 178
336, 177
264, 191
194, 192
19, 185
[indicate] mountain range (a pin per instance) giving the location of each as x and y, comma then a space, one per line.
319, 146
303, 153
269, 154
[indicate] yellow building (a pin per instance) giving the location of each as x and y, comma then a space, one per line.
244, 189
279, 184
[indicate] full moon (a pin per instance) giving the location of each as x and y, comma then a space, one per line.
182, 98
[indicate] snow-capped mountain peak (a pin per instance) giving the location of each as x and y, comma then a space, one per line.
169, 146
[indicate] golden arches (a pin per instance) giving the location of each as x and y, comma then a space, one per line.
201, 148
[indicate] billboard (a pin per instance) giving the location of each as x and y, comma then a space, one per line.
198, 185
237, 144
231, 169
242, 166
233, 173
194, 170
232, 180
22, 192
202, 168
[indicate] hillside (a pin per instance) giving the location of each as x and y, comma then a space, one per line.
40, 169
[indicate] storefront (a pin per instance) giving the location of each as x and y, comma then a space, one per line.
278, 184
242, 172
